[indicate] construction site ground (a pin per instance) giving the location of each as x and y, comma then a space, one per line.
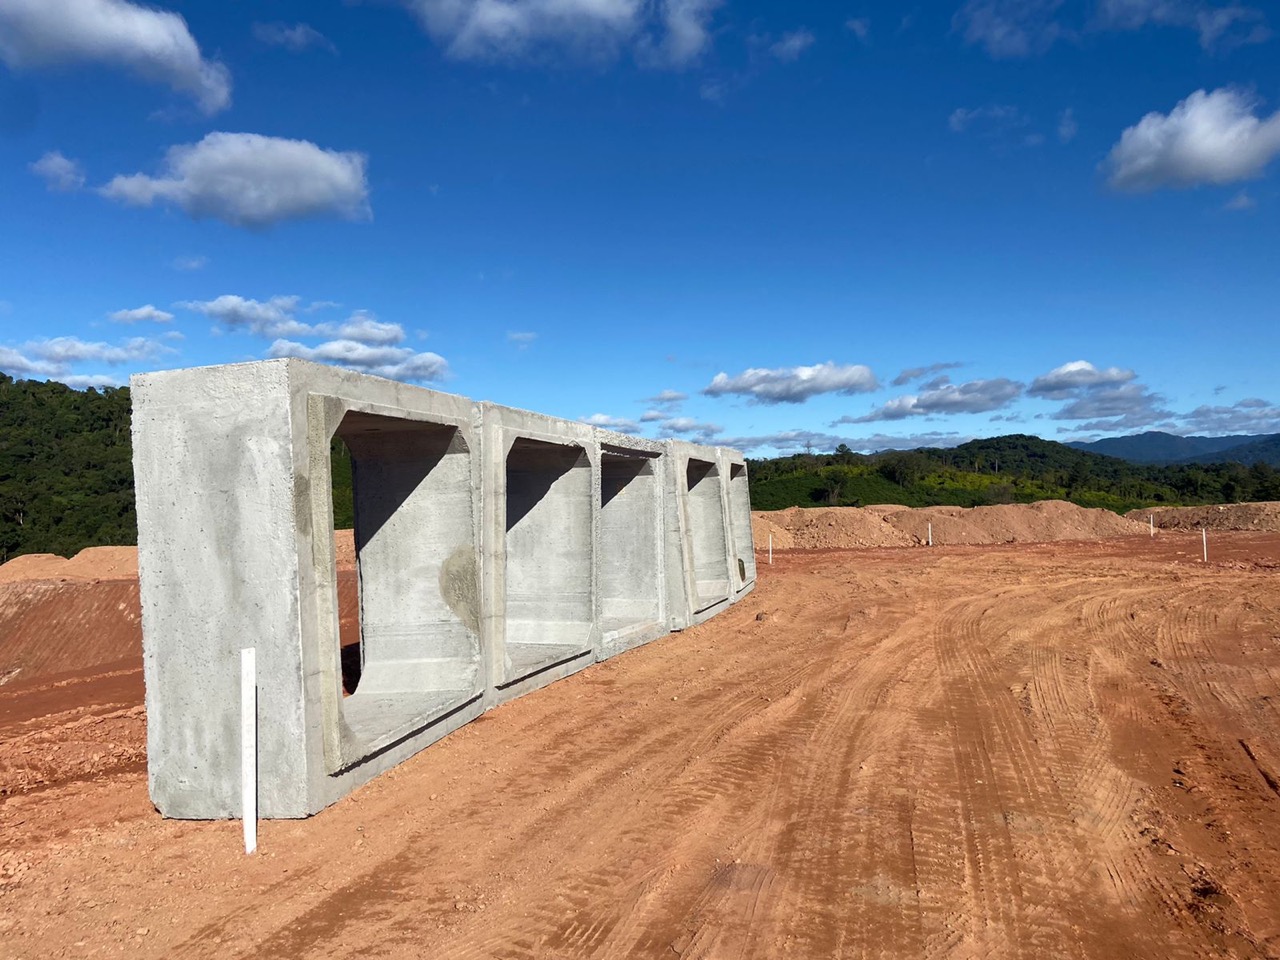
1013, 750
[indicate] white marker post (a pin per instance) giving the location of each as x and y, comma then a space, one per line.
1152, 520
931, 534
771, 549
249, 747
1204, 535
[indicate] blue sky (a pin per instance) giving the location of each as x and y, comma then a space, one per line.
767, 225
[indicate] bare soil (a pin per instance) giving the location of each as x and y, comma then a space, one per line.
1227, 516
811, 528
1058, 750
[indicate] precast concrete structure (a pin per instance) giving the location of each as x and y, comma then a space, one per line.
497, 550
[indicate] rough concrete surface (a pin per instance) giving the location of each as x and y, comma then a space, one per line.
497, 550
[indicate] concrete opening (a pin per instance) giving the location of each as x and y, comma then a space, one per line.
630, 582
417, 584
707, 538
740, 524
348, 596
548, 557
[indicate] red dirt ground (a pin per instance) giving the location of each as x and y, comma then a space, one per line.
1053, 750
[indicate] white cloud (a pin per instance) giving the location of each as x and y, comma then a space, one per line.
154, 44
249, 180
56, 358
860, 27
1241, 201
522, 339
654, 416
501, 29
915, 373
1207, 138
196, 262
1122, 407
795, 384
668, 398
943, 397
685, 35
266, 318
59, 173
962, 118
277, 317
1252, 415
83, 381
792, 45
790, 441
1218, 27
617, 424
1068, 126
1009, 28
688, 425
296, 38
1071, 379
394, 363
147, 314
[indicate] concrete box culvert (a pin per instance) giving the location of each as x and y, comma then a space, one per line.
497, 551
744, 554
631, 562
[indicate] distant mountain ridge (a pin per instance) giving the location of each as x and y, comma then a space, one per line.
1155, 446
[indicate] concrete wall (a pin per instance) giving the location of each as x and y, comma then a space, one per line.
497, 551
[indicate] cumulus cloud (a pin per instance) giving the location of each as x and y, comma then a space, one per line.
687, 426
860, 27
57, 357
278, 317
670, 32
394, 363
1217, 27
1009, 29
791, 441
1131, 403
154, 44
147, 314
792, 45
195, 262
616, 424
1207, 138
943, 397
654, 416
667, 398
1071, 379
296, 38
59, 173
685, 32
250, 180
915, 373
1252, 415
794, 384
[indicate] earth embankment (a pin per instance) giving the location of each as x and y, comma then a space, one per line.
1048, 521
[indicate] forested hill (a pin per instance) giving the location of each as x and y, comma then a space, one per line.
66, 474
1011, 469
1155, 446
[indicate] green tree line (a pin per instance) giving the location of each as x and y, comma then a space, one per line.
1011, 469
66, 474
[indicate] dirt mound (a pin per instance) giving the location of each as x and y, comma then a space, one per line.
92, 563
1227, 516
49, 627
893, 526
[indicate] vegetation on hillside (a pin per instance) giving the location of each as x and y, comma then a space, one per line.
66, 471
66, 474
1011, 469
